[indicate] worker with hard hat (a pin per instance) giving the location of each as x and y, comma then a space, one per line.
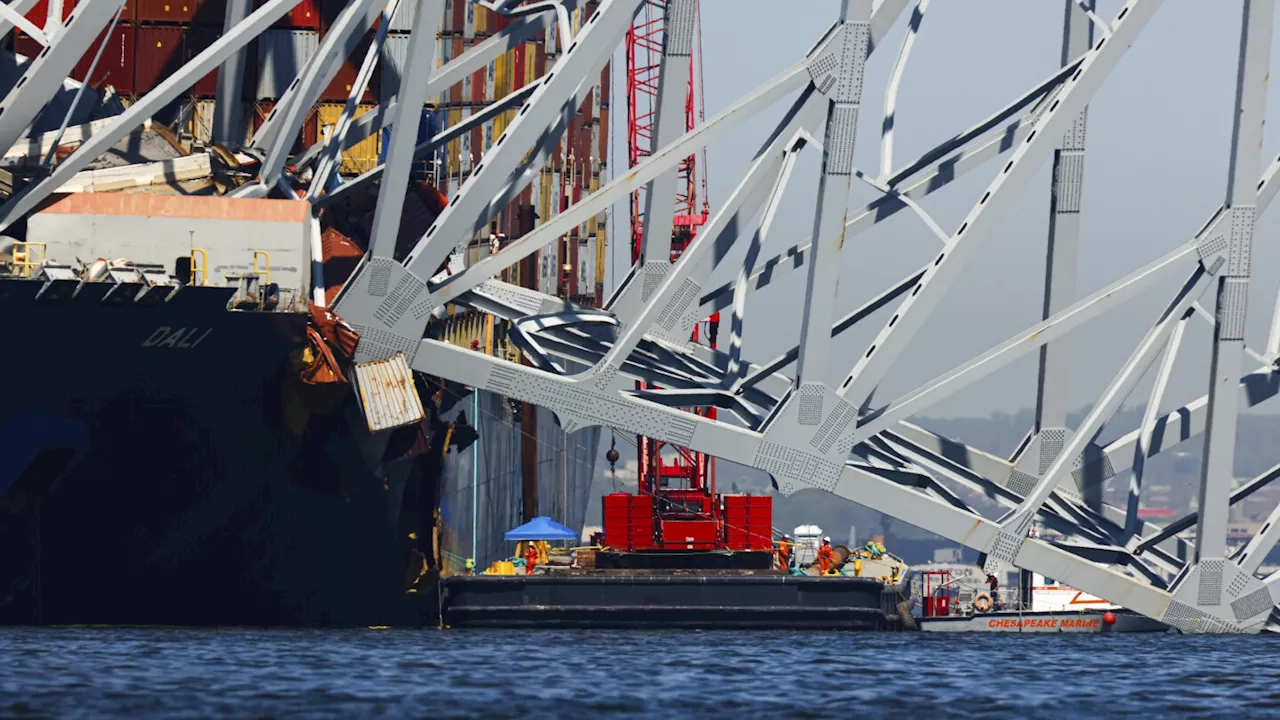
530, 558
784, 552
824, 556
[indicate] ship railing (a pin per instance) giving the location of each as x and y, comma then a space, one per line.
964, 597
262, 265
29, 257
199, 267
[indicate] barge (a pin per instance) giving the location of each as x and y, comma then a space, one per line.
702, 599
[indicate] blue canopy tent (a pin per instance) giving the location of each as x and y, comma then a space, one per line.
541, 528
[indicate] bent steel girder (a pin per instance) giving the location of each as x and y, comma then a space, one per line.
227, 112
404, 130
442, 78
784, 415
279, 129
44, 75
931, 172
25, 200
810, 428
328, 160
439, 140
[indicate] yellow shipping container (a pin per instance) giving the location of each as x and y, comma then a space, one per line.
359, 158
504, 85
454, 150
530, 66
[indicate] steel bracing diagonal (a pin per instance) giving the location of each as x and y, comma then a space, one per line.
809, 415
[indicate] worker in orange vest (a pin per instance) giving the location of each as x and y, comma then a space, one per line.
530, 558
784, 552
824, 556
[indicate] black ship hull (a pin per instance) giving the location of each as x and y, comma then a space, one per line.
161, 465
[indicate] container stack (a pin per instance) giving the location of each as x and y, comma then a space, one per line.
573, 268
154, 38
116, 67
391, 67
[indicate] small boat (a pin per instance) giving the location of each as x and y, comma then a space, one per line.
1049, 608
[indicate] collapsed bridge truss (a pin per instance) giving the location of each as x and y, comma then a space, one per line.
781, 415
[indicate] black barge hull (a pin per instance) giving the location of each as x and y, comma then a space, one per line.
670, 601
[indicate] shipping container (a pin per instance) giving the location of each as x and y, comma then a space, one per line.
160, 52
395, 49
361, 157
282, 54
307, 135
199, 39
39, 13
402, 21
192, 12
304, 16
426, 166
345, 78
388, 393
116, 66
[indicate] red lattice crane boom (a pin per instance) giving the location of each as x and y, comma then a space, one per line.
686, 480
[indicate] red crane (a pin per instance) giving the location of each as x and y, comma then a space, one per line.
682, 486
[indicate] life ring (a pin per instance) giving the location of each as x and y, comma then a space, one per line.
982, 603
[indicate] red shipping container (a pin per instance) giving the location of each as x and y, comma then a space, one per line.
304, 16
199, 39
116, 65
201, 12
345, 78
308, 135
160, 52
457, 24
40, 12
25, 45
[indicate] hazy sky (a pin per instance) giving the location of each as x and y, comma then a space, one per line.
1155, 170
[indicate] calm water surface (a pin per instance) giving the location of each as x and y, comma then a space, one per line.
393, 673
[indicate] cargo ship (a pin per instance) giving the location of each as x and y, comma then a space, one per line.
184, 440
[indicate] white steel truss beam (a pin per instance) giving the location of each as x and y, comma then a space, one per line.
227, 113
931, 172
999, 197
404, 131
